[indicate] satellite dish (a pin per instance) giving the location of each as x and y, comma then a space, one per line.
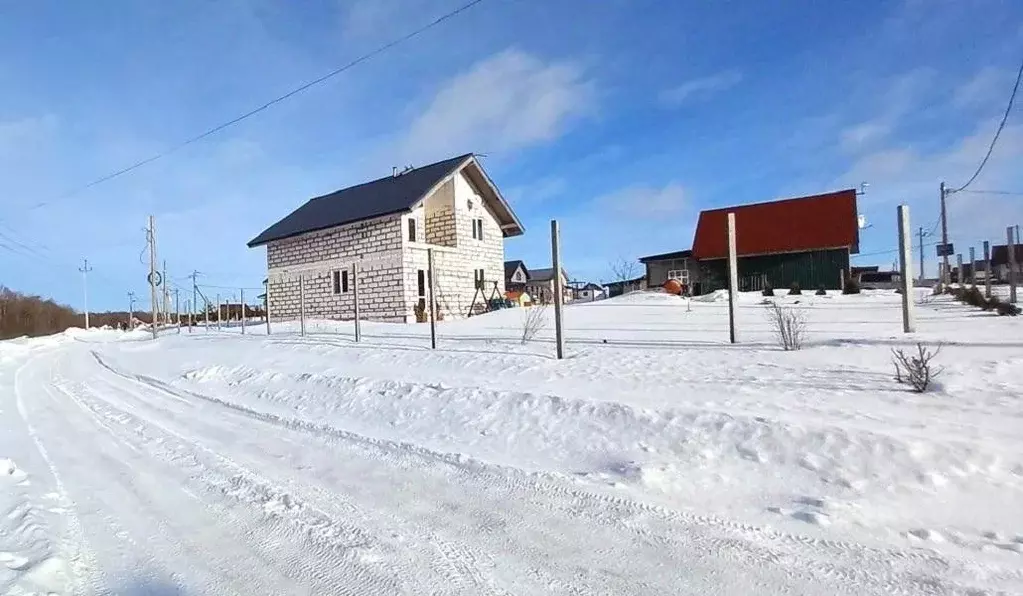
861, 221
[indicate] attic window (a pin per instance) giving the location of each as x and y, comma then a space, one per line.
477, 228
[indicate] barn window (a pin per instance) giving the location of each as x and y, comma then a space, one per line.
680, 275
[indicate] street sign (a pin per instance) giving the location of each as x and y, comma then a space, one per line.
945, 250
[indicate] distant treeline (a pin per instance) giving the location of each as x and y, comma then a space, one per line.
22, 315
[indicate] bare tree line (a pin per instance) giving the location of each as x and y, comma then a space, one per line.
24, 315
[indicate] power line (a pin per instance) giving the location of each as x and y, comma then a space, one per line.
1001, 126
263, 107
995, 192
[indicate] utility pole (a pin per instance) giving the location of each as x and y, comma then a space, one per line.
944, 237
906, 267
195, 291
165, 307
242, 300
355, 303
131, 310
920, 233
177, 308
987, 269
733, 277
973, 267
85, 269
1011, 246
266, 307
151, 236
558, 289
433, 302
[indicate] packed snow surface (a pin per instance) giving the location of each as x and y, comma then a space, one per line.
656, 458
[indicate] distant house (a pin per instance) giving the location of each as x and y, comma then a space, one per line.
680, 266
590, 292
540, 285
803, 240
618, 288
515, 275
518, 297
1000, 261
385, 229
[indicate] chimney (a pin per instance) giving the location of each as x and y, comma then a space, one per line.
394, 171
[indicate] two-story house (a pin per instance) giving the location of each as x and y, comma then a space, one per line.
381, 231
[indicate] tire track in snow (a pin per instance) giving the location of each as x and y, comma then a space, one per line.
862, 566
335, 547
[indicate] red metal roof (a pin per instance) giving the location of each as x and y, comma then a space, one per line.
790, 225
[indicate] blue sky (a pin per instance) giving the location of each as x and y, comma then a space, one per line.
620, 118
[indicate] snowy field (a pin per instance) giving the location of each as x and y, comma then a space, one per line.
655, 459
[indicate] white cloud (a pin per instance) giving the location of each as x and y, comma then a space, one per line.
864, 133
645, 202
508, 101
536, 192
987, 86
700, 88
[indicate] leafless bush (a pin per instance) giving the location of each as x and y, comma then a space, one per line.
916, 369
534, 318
789, 325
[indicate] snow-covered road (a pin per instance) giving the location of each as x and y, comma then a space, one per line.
180, 491
221, 464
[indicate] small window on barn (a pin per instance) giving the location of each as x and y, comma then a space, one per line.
411, 230
340, 282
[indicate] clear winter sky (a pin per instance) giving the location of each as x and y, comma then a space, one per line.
621, 118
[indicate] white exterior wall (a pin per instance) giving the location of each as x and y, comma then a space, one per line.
390, 261
375, 244
456, 253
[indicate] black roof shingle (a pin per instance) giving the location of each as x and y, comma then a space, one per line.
386, 196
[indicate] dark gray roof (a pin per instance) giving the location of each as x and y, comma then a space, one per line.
386, 196
544, 274
511, 266
680, 254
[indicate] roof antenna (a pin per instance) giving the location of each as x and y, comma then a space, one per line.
863, 188
408, 168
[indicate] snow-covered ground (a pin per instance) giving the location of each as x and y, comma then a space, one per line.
656, 458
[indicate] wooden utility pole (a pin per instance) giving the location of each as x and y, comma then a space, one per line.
1011, 246
301, 305
973, 267
266, 304
906, 270
177, 308
733, 277
558, 290
433, 304
151, 236
944, 238
987, 269
920, 234
355, 301
165, 307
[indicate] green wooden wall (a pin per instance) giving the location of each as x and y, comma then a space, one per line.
809, 269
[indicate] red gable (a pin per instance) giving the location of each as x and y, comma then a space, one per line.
790, 225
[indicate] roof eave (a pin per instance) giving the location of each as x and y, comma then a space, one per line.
257, 242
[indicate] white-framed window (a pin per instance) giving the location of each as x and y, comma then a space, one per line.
477, 228
479, 278
340, 281
411, 230
680, 275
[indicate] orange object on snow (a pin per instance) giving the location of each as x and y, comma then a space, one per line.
672, 286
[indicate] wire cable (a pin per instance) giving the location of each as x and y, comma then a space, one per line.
212, 131
998, 133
